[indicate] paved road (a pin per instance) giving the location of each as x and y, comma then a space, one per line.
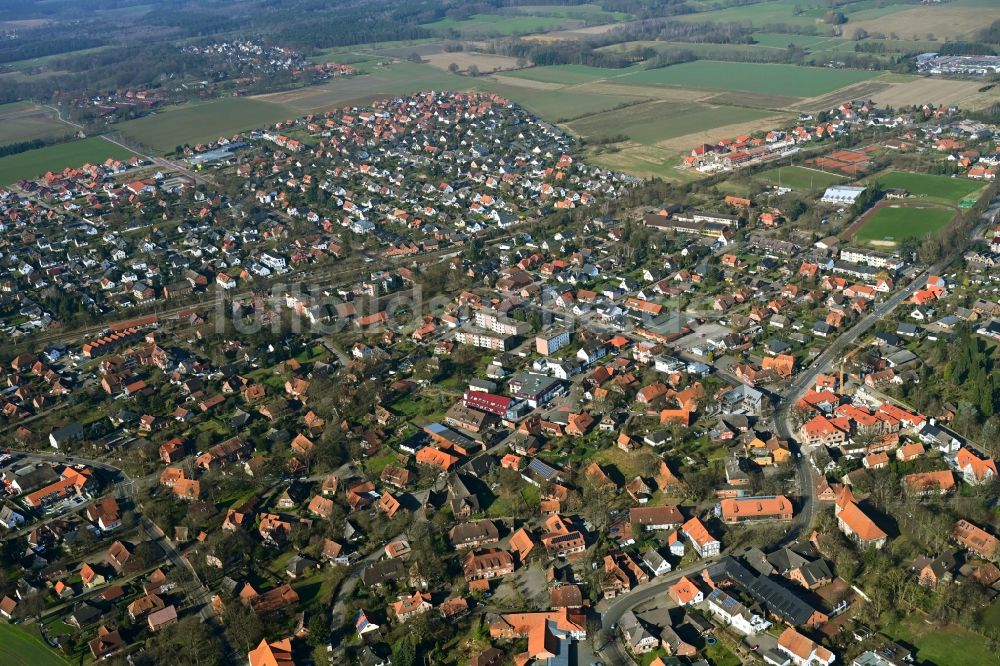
611, 611
59, 115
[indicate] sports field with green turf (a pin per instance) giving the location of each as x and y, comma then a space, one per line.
799, 178
19, 648
892, 223
932, 187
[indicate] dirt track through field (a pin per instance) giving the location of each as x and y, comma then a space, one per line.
526, 83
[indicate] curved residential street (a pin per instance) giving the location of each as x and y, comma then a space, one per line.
609, 649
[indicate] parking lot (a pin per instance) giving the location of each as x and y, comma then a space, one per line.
697, 341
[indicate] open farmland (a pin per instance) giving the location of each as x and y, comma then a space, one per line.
657, 121
203, 122
485, 62
590, 13
799, 178
788, 80
24, 121
661, 158
953, 20
765, 13
761, 79
399, 78
486, 25
19, 648
571, 74
921, 89
58, 157
934, 188
888, 224
563, 105
814, 43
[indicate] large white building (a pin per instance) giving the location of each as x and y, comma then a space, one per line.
491, 321
483, 339
871, 258
842, 194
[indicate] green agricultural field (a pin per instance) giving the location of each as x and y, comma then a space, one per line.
24, 121
935, 188
893, 223
788, 80
589, 12
399, 78
794, 12
485, 25
763, 13
799, 178
907, 18
557, 106
781, 40
725, 52
570, 74
198, 123
31, 63
34, 163
20, 648
359, 61
653, 122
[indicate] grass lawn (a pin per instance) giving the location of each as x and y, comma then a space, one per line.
992, 614
278, 564
374, 466
235, 499
799, 178
625, 463
197, 123
788, 80
936, 188
894, 223
20, 648
943, 646
505, 507
720, 655
647, 659
35, 163
650, 123
309, 588
58, 628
